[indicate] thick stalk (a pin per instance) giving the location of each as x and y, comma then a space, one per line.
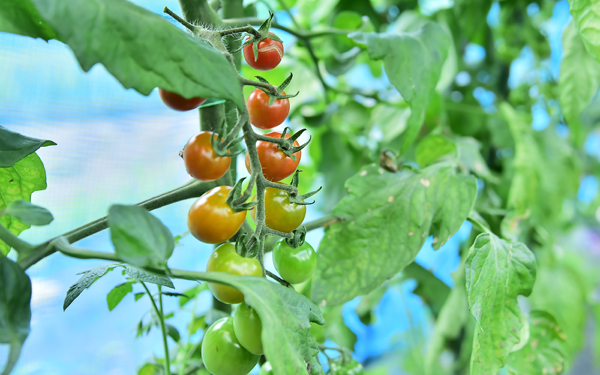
199, 12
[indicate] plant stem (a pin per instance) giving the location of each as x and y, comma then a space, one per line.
298, 34
185, 23
279, 279
13, 241
161, 317
242, 29
325, 221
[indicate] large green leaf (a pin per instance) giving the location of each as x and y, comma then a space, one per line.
14, 146
21, 17
15, 312
413, 62
141, 49
388, 217
286, 315
497, 272
586, 14
139, 237
544, 352
579, 78
17, 183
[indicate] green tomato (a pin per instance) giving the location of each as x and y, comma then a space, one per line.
223, 354
295, 265
248, 327
266, 369
226, 259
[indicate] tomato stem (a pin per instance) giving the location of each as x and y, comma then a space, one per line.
161, 319
185, 23
279, 280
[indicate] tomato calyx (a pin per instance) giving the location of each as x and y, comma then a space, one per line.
262, 34
237, 201
299, 236
286, 145
222, 145
278, 94
300, 198
248, 248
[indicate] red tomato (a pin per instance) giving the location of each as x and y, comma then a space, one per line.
210, 218
270, 53
178, 102
200, 159
263, 115
275, 164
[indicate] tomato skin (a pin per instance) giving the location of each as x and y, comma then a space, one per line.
222, 353
295, 265
210, 218
280, 214
226, 259
275, 164
178, 102
201, 161
263, 115
270, 53
248, 328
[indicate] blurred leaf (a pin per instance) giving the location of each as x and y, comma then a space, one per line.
14, 146
545, 349
579, 78
432, 148
21, 17
391, 120
391, 214
339, 64
138, 296
150, 369
28, 213
15, 311
88, 277
586, 14
432, 290
172, 332
413, 63
336, 328
18, 183
350, 368
139, 237
497, 272
164, 57
212, 315
116, 295
368, 303
191, 293
470, 158
510, 227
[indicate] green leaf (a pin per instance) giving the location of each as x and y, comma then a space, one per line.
147, 276
413, 62
579, 78
191, 293
544, 352
470, 158
151, 369
14, 146
28, 213
432, 290
140, 49
21, 17
497, 272
139, 237
88, 277
138, 296
336, 328
586, 14
388, 217
366, 307
172, 332
596, 313
116, 295
432, 148
15, 311
285, 314
391, 120
18, 183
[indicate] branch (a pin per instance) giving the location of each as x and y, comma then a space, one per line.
185, 23
279, 280
325, 221
267, 86
298, 34
242, 29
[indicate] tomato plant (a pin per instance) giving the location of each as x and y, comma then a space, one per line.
275, 164
270, 53
200, 159
222, 353
264, 115
178, 102
280, 213
294, 264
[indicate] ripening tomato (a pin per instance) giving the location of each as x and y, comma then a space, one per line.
222, 353
263, 115
200, 159
294, 264
210, 218
270, 53
280, 213
178, 102
226, 259
248, 328
275, 164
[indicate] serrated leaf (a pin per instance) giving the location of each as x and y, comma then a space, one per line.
413, 62
139, 237
15, 311
142, 50
88, 277
579, 78
14, 146
18, 183
28, 213
432, 148
191, 293
21, 17
172, 332
148, 277
544, 352
496, 273
116, 295
586, 14
388, 217
285, 314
